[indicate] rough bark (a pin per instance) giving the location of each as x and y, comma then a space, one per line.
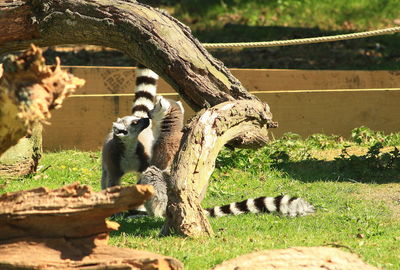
297, 258
28, 91
160, 42
203, 138
23, 158
67, 229
150, 36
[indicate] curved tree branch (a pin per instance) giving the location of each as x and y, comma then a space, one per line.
150, 36
203, 138
160, 42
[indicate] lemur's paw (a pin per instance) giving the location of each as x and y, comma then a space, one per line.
160, 109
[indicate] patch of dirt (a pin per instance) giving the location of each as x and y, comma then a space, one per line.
387, 193
331, 154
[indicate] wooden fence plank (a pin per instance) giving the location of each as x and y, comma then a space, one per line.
302, 101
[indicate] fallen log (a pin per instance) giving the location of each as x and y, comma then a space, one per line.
66, 228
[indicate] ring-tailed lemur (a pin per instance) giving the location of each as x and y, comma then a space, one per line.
128, 146
167, 119
284, 205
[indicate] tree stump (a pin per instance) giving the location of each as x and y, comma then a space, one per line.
23, 158
66, 229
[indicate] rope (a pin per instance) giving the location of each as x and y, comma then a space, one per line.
291, 42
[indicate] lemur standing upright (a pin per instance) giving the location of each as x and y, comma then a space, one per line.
134, 142
167, 128
129, 144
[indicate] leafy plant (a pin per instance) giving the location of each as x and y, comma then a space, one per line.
365, 136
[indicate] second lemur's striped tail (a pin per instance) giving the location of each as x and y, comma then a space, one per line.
284, 205
145, 92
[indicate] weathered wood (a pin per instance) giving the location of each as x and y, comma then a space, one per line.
325, 258
23, 158
71, 211
66, 228
203, 138
158, 41
143, 33
28, 91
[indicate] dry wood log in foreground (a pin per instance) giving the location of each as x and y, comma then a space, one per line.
28, 91
165, 45
66, 228
324, 258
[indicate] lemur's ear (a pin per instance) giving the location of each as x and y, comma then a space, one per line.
118, 119
180, 106
164, 103
158, 98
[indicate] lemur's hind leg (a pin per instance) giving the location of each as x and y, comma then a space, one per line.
104, 178
111, 176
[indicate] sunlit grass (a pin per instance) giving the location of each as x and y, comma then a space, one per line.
356, 210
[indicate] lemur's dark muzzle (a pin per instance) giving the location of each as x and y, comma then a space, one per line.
144, 122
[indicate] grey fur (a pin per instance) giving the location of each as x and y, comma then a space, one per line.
122, 152
157, 205
167, 117
128, 148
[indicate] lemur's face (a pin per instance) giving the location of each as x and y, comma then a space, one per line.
129, 126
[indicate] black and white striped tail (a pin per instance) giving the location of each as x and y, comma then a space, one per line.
284, 205
145, 92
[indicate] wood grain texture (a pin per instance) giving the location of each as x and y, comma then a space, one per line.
65, 228
194, 163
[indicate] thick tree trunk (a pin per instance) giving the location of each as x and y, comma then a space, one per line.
67, 229
204, 137
28, 91
23, 158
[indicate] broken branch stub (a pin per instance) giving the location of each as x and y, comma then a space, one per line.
28, 91
203, 138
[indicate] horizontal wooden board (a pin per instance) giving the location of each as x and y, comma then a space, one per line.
121, 80
304, 102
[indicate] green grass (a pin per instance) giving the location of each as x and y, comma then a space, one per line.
327, 15
260, 20
357, 209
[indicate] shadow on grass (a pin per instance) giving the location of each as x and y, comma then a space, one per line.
139, 227
340, 171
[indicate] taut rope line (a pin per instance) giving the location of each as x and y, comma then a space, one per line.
300, 41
